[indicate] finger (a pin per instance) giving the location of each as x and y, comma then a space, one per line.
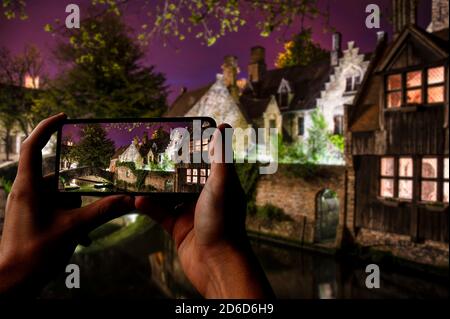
60, 200
163, 212
92, 216
221, 171
176, 219
30, 161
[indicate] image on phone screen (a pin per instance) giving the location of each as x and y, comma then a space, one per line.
144, 156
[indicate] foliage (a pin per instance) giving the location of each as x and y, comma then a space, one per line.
102, 74
130, 165
272, 213
248, 174
338, 141
94, 149
6, 184
165, 165
301, 50
207, 20
67, 152
318, 137
14, 9
15, 100
140, 179
291, 153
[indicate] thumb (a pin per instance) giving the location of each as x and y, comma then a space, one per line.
102, 211
220, 152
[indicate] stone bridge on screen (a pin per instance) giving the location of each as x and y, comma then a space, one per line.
76, 173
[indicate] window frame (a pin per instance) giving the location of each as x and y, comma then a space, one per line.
440, 180
444, 179
396, 178
199, 170
302, 131
382, 177
338, 130
423, 87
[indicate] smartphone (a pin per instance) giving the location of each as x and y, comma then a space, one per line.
136, 156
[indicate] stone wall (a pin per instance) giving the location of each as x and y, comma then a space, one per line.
439, 16
428, 252
295, 191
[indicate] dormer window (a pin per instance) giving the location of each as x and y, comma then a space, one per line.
283, 93
416, 87
284, 98
352, 83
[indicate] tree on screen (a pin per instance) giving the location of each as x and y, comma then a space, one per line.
94, 149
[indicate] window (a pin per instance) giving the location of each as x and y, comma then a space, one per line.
197, 145
200, 145
434, 180
203, 176
188, 175
445, 184
394, 89
414, 87
429, 183
284, 99
352, 83
300, 126
195, 175
387, 177
409, 88
272, 124
339, 124
436, 79
398, 177
405, 179
396, 180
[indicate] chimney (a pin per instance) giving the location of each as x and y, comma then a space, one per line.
404, 14
230, 72
381, 35
257, 65
183, 90
336, 48
439, 16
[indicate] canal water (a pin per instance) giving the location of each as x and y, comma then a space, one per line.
144, 265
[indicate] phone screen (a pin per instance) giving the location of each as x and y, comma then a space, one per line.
165, 155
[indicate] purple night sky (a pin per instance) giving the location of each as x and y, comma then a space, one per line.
190, 63
123, 133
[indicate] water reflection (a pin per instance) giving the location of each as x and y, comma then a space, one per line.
145, 265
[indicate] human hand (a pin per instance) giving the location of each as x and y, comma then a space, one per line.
42, 227
210, 233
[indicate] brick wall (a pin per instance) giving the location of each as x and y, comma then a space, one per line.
296, 194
